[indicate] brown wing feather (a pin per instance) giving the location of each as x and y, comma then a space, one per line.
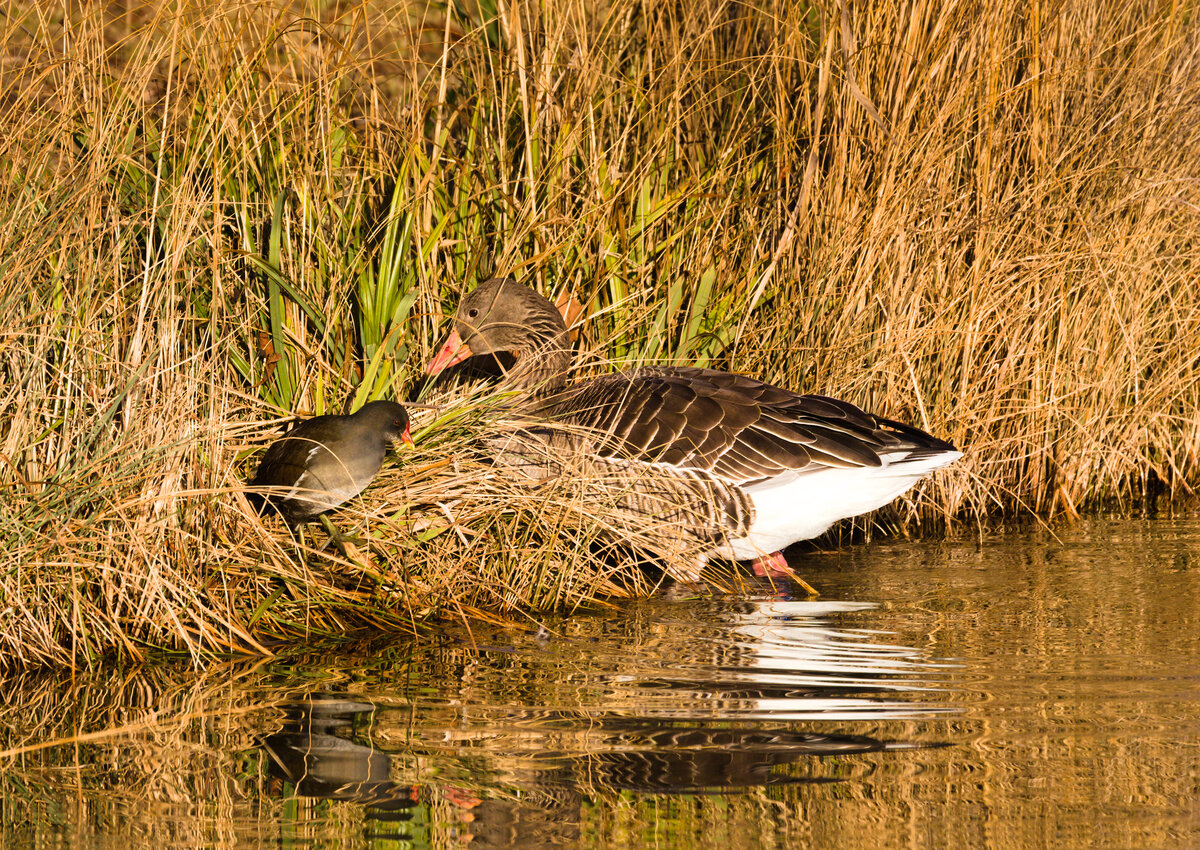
739, 428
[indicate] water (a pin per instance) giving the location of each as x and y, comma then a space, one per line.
1020, 690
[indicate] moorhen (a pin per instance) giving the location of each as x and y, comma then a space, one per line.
327, 460
778, 466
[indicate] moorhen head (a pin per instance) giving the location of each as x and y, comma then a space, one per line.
325, 461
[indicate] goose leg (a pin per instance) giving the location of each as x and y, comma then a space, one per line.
774, 565
771, 565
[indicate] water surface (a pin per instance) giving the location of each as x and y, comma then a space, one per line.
1023, 689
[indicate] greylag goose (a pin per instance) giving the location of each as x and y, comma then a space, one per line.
777, 466
325, 461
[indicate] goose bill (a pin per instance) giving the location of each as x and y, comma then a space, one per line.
454, 351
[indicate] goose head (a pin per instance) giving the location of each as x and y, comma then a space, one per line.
501, 316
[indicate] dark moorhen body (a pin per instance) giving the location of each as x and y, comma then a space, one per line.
776, 466
325, 461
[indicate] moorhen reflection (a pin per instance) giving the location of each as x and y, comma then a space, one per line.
308, 753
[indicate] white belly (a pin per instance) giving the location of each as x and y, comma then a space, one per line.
801, 505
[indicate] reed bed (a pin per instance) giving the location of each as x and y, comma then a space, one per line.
982, 219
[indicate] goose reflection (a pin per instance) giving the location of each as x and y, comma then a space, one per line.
693, 697
538, 803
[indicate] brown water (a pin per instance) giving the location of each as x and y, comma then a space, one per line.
1022, 690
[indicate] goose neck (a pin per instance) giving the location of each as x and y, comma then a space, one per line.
542, 369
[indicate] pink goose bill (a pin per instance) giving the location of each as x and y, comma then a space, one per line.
454, 351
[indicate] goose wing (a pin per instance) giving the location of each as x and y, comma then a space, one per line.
739, 428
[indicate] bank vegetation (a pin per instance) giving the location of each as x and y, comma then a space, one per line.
980, 218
